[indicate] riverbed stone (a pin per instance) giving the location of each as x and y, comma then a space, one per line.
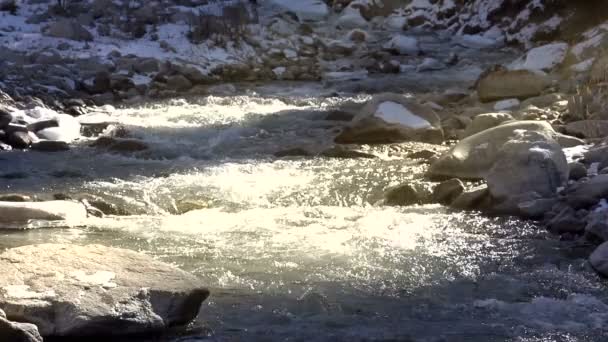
20, 139
486, 121
472, 199
407, 195
120, 145
588, 129
586, 194
446, 192
69, 29
78, 291
391, 118
50, 146
529, 165
474, 156
19, 212
599, 259
5, 118
566, 221
346, 153
577, 170
17, 332
508, 84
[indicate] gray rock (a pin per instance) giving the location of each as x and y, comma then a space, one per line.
446, 192
17, 332
529, 165
69, 290
536, 208
345, 153
474, 156
391, 118
599, 259
597, 224
586, 194
146, 65
566, 222
179, 83
476, 198
5, 118
507, 84
406, 195
20, 139
577, 170
293, 152
120, 145
50, 146
486, 121
588, 129
15, 198
40, 125
69, 29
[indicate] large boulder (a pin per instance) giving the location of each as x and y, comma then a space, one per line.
390, 118
474, 156
508, 84
76, 291
17, 332
19, 212
68, 29
529, 166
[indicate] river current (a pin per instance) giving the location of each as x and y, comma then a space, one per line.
297, 249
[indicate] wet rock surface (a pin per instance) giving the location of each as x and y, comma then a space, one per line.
69, 290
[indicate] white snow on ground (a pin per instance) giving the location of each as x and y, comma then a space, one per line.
20, 36
545, 57
68, 129
403, 44
395, 113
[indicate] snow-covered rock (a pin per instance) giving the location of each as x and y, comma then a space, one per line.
544, 57
403, 45
388, 118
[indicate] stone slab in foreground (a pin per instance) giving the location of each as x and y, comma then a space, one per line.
71, 290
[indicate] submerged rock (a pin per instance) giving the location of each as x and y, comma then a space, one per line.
391, 118
345, 153
120, 145
76, 291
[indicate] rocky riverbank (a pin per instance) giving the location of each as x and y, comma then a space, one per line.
526, 139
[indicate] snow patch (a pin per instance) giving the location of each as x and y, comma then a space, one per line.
395, 113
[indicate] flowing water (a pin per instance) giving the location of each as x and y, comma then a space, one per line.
295, 249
